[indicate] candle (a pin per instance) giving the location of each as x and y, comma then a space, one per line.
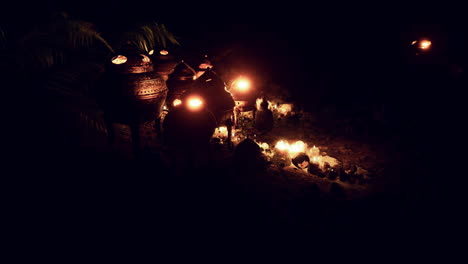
315, 154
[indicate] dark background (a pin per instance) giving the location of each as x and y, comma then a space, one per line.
350, 56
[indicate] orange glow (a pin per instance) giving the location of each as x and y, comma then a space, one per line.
145, 58
194, 103
296, 147
176, 102
414, 42
425, 44
119, 59
242, 84
151, 52
163, 52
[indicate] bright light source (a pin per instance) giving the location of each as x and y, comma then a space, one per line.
414, 42
151, 52
119, 59
164, 52
424, 44
176, 102
242, 85
194, 103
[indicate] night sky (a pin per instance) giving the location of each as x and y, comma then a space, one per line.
347, 49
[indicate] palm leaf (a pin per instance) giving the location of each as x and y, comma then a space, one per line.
149, 36
60, 40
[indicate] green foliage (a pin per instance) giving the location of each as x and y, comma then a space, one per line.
149, 36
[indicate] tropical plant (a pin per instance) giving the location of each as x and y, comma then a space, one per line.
62, 40
147, 36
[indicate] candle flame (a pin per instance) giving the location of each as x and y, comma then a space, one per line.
425, 44
194, 103
176, 102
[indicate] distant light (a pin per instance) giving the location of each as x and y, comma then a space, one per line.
119, 59
242, 84
164, 52
194, 103
176, 102
414, 42
425, 44
151, 52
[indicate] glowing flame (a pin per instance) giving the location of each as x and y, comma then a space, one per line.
242, 85
282, 145
296, 147
194, 103
119, 59
284, 108
425, 44
163, 52
176, 102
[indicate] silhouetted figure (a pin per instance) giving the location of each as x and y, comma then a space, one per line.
264, 118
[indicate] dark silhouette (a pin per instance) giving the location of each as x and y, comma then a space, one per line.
264, 118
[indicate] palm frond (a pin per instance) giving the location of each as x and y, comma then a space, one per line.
61, 39
149, 36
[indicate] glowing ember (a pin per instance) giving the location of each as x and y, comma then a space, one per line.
119, 59
163, 52
425, 44
176, 102
194, 103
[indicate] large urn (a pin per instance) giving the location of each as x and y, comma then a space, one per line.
131, 90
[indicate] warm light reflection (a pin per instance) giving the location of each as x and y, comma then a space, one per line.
151, 52
176, 102
163, 52
145, 58
194, 103
119, 59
